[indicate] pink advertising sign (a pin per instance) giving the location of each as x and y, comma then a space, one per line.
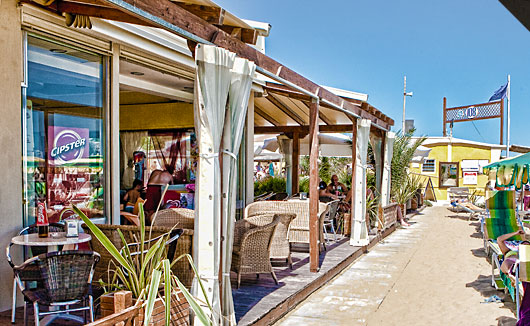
67, 145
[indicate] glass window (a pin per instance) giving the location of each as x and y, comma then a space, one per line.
64, 149
448, 174
428, 165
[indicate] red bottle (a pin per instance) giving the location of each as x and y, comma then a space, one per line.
42, 220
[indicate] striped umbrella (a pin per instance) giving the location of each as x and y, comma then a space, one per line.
510, 171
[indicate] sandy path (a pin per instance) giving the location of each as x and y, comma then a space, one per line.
433, 273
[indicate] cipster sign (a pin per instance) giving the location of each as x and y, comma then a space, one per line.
67, 145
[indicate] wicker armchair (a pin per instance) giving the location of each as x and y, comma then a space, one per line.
131, 233
182, 218
66, 276
251, 248
299, 227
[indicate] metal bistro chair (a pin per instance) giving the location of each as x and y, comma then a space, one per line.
31, 272
330, 217
66, 276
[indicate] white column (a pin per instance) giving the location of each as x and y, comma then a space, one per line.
249, 142
112, 195
359, 231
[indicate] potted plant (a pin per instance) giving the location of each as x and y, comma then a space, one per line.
148, 276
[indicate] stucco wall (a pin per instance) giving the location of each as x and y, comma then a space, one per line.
459, 152
10, 138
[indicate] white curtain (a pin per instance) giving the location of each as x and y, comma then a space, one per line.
389, 151
212, 82
240, 86
359, 231
130, 142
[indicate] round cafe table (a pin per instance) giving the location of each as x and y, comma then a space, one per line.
53, 241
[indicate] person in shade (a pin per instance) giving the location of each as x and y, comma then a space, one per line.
509, 250
324, 195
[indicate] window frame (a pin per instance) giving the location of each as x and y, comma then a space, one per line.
433, 166
440, 174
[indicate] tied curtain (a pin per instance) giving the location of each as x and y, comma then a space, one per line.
171, 158
359, 231
212, 83
239, 93
387, 161
130, 142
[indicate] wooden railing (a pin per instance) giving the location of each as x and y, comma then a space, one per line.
388, 216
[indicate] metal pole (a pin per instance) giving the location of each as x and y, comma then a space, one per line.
404, 99
508, 114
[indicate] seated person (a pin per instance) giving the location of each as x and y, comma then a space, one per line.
131, 197
510, 258
336, 187
324, 195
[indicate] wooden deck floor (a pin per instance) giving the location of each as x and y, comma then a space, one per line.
259, 301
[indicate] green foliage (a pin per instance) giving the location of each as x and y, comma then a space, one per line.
404, 148
147, 272
304, 184
372, 207
370, 179
324, 169
270, 184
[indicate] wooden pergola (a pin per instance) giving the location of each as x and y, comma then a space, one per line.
292, 105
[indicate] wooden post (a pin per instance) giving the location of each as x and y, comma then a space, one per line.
295, 163
313, 188
122, 301
445, 117
353, 168
502, 121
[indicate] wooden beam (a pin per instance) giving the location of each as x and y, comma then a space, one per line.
321, 115
301, 129
265, 115
175, 15
213, 15
285, 109
296, 163
98, 11
314, 232
287, 92
246, 35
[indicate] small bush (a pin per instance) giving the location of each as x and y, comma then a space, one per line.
270, 184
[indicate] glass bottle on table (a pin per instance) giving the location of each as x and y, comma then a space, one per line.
42, 220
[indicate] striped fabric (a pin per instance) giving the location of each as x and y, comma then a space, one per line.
504, 223
524, 262
503, 199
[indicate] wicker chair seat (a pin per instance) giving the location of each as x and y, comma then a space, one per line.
182, 269
182, 218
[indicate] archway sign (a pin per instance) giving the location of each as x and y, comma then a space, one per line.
489, 110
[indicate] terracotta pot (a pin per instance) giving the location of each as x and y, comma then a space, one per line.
414, 203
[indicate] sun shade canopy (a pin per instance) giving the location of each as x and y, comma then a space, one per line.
510, 171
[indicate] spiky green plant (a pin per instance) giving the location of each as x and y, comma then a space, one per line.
404, 148
147, 272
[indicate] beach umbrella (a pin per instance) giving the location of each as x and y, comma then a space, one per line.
514, 171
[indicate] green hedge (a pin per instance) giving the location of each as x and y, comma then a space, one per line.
270, 184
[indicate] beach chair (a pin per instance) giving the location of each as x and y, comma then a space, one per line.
475, 214
502, 219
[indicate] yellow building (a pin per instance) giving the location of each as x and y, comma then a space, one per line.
454, 162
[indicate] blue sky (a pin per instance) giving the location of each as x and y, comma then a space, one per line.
459, 49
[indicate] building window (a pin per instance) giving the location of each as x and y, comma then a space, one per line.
448, 174
428, 165
63, 130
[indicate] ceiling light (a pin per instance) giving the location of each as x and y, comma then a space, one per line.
137, 73
58, 50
